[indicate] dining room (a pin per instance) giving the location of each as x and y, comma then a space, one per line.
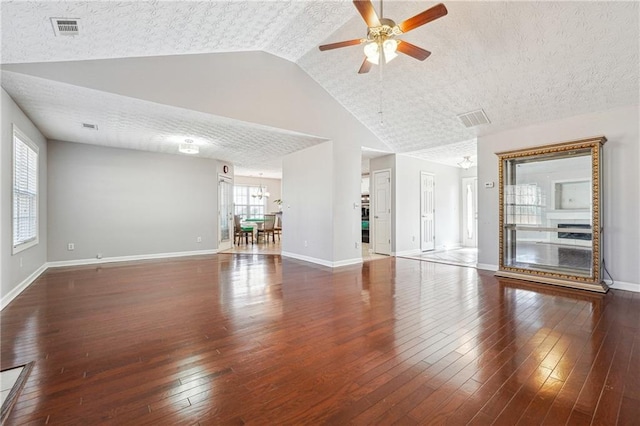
257, 214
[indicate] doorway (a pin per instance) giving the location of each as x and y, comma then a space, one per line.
427, 212
225, 212
470, 212
382, 211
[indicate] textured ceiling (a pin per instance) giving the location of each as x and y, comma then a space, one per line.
119, 29
522, 62
59, 109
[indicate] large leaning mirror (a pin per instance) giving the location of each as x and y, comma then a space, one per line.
550, 214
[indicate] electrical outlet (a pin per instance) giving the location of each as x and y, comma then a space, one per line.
413, 238
99, 256
357, 244
305, 243
199, 240
71, 246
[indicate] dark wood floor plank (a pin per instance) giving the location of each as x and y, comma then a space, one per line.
244, 339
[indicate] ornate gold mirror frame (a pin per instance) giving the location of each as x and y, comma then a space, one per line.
590, 279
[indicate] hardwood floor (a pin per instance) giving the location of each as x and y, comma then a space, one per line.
265, 340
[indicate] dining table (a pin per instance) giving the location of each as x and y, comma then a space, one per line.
254, 222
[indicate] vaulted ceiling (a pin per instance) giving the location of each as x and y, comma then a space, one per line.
521, 62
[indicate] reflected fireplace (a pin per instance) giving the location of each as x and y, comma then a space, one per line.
574, 235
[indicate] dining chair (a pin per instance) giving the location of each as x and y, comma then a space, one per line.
241, 231
268, 228
277, 229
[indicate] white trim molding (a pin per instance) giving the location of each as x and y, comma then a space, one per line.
621, 285
81, 262
8, 298
322, 262
487, 267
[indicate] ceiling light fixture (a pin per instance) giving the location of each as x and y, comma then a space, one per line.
188, 147
381, 45
262, 193
466, 163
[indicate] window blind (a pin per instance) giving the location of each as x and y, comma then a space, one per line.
25, 190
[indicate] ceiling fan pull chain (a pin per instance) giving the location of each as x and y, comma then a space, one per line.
381, 64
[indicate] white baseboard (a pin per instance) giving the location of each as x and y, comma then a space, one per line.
307, 259
322, 262
22, 286
354, 261
80, 262
487, 267
621, 285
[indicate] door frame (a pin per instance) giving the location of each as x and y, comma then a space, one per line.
372, 223
228, 244
465, 206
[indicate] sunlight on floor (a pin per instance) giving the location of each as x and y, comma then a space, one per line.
276, 248
465, 256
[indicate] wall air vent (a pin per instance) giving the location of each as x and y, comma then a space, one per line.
65, 26
89, 126
474, 118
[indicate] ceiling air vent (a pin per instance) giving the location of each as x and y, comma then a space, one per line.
474, 118
65, 26
89, 126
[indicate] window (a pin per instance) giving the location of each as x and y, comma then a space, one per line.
246, 205
25, 192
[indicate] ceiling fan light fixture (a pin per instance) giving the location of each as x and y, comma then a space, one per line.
390, 46
372, 52
188, 147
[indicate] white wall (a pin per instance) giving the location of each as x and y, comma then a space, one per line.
248, 82
447, 203
347, 222
620, 190
307, 191
405, 201
274, 186
12, 273
120, 202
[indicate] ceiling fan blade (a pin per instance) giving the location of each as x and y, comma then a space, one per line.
431, 14
413, 50
365, 67
365, 7
341, 44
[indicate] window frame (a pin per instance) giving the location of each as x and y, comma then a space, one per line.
20, 136
249, 191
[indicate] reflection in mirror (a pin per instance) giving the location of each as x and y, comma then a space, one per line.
549, 200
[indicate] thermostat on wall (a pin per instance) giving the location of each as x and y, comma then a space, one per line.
488, 184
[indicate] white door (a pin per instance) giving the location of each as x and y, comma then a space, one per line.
225, 213
469, 212
382, 212
427, 212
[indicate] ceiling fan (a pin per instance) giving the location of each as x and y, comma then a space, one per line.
381, 42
